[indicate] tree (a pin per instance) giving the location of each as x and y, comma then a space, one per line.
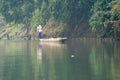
17, 11
100, 17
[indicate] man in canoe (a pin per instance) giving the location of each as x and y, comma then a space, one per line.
39, 30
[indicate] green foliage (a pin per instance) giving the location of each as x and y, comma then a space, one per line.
105, 14
17, 11
115, 10
61, 10
100, 14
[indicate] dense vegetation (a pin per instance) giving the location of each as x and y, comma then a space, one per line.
105, 18
101, 16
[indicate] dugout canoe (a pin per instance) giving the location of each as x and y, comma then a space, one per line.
53, 39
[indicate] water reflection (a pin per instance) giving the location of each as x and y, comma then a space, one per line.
17, 64
39, 52
95, 59
53, 65
74, 60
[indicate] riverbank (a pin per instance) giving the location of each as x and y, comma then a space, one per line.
20, 33
50, 30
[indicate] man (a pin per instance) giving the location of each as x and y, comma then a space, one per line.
39, 30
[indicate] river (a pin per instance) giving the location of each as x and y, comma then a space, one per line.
77, 59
